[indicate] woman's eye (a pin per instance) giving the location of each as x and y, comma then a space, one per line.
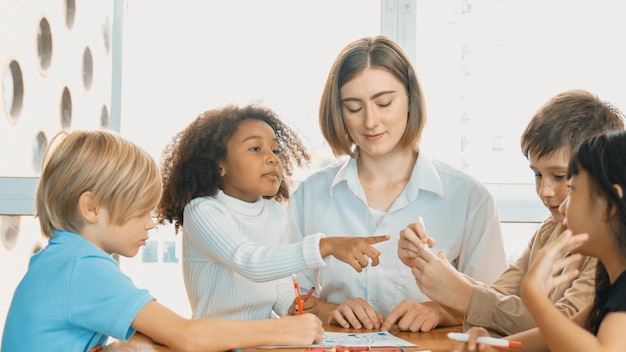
353, 107
254, 149
276, 151
384, 105
560, 177
354, 110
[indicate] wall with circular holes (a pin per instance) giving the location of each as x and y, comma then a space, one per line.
55, 74
55, 71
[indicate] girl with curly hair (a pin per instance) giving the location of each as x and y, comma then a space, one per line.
224, 178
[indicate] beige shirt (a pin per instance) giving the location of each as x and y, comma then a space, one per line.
498, 307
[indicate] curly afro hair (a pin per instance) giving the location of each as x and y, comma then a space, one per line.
189, 164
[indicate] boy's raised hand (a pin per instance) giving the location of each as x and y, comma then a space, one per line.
434, 274
413, 238
353, 250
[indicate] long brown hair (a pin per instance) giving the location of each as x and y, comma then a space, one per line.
379, 52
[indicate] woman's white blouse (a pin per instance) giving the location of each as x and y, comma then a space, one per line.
458, 212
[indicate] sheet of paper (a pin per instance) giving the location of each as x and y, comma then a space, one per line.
371, 339
374, 339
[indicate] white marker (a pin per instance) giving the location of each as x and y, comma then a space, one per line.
491, 341
426, 246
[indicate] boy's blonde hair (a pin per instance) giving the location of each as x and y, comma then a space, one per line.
123, 178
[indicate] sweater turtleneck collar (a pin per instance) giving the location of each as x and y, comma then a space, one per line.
239, 206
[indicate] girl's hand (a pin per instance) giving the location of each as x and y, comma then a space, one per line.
471, 344
308, 306
545, 272
353, 250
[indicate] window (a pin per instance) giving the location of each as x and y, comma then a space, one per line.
487, 65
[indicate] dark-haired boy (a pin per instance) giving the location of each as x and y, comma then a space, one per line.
549, 140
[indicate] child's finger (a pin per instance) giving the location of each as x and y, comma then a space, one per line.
411, 236
375, 260
355, 264
567, 261
376, 239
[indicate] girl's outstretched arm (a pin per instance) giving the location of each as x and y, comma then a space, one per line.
213, 232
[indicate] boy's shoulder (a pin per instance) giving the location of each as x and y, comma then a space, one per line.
68, 245
548, 231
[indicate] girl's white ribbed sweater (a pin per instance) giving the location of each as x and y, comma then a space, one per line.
237, 260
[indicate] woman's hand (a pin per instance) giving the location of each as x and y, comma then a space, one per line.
356, 313
411, 316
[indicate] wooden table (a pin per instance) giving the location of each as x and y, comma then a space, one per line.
435, 341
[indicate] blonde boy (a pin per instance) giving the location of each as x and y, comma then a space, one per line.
95, 197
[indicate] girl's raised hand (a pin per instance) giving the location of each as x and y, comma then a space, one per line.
353, 250
544, 273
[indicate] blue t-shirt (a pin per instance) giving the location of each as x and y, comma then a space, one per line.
72, 298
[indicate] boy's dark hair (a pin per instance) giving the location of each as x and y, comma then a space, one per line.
566, 120
603, 157
189, 164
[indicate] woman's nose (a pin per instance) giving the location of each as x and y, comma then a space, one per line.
371, 118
